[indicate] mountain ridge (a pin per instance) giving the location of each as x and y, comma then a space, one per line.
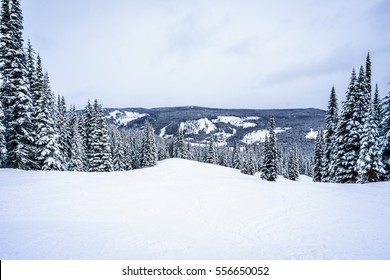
245, 126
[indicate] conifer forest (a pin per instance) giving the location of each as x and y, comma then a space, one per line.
40, 131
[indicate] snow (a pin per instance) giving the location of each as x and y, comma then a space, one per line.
312, 134
196, 126
162, 131
236, 121
124, 117
259, 135
188, 210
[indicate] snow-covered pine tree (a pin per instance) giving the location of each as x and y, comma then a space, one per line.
248, 165
14, 91
77, 157
30, 66
211, 153
329, 148
293, 165
377, 110
63, 131
236, 160
244, 165
269, 169
370, 166
119, 161
318, 158
149, 149
368, 73
181, 151
47, 147
264, 170
100, 157
385, 135
350, 129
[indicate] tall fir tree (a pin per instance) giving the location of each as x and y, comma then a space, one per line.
149, 148
377, 110
350, 129
100, 157
328, 165
269, 170
368, 73
293, 165
370, 166
211, 153
385, 135
236, 160
14, 91
181, 149
31, 61
77, 157
63, 131
119, 161
319, 158
46, 137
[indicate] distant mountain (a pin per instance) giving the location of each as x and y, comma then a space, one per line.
227, 125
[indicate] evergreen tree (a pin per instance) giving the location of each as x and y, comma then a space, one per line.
377, 110
14, 91
385, 136
30, 65
370, 166
319, 158
119, 157
269, 170
368, 74
350, 129
236, 161
77, 157
181, 151
248, 165
63, 131
293, 167
211, 153
46, 137
100, 157
328, 164
149, 149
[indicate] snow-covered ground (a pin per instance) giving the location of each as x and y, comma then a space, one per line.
188, 210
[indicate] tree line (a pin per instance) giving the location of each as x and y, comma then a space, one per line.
355, 145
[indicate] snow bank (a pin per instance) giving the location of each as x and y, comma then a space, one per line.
188, 210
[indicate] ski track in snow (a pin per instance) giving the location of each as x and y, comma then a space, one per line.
188, 210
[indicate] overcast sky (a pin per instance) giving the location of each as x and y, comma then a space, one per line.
215, 53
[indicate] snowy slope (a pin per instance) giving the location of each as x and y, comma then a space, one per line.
196, 126
124, 117
188, 210
259, 135
236, 121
